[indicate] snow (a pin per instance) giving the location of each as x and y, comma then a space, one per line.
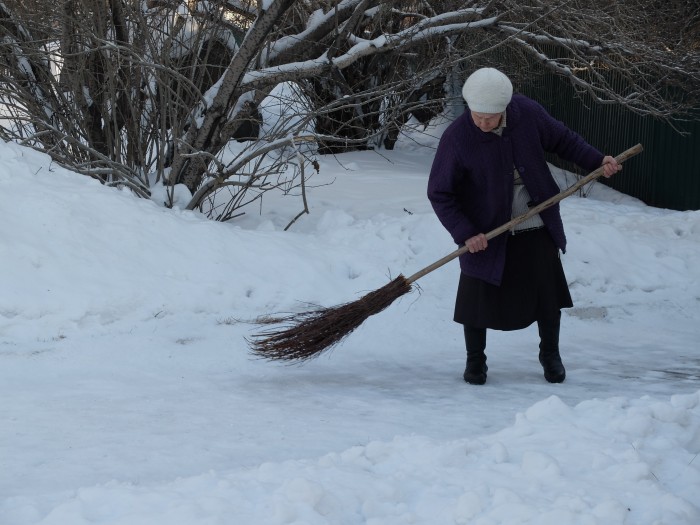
128, 394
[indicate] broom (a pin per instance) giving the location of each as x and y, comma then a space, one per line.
302, 336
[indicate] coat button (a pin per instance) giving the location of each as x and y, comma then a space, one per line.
521, 169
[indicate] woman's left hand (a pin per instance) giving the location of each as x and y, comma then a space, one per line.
610, 166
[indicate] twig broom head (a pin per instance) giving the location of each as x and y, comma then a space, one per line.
305, 335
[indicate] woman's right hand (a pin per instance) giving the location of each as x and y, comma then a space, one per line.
477, 243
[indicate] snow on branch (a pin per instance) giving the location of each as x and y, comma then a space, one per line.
321, 25
549, 39
361, 48
610, 96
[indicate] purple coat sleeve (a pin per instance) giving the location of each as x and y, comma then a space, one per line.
444, 173
565, 143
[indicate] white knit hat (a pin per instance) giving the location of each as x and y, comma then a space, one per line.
487, 90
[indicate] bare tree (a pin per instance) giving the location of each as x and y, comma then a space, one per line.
138, 92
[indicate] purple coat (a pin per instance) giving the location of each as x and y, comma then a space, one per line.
471, 180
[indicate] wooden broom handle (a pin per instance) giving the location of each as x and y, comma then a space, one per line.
622, 157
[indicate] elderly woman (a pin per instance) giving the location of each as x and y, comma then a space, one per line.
490, 167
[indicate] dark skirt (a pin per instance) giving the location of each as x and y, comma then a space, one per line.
533, 287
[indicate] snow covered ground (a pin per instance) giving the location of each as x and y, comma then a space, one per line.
128, 395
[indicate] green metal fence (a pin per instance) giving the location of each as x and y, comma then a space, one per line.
666, 175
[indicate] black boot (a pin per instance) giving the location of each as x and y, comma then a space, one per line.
554, 370
475, 373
